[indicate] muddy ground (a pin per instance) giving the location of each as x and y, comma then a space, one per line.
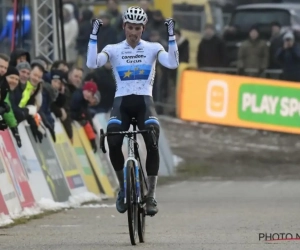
228, 152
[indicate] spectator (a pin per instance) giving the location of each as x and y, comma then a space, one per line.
81, 100
158, 24
32, 92
289, 57
183, 47
71, 32
75, 7
50, 93
113, 10
19, 55
24, 69
156, 38
107, 34
276, 42
106, 85
84, 36
4, 61
60, 65
145, 5
211, 49
74, 82
253, 54
21, 113
75, 78
8, 83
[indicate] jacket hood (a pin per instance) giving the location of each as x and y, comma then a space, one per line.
16, 54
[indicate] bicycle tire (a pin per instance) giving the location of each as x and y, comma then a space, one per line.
141, 211
132, 209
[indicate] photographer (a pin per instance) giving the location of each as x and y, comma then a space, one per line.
289, 57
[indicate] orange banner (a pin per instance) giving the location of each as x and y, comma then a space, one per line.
239, 101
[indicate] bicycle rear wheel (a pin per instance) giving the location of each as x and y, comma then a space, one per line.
141, 209
132, 206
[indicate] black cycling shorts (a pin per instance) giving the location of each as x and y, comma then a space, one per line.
133, 106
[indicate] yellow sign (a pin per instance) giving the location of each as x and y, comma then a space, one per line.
100, 173
239, 101
84, 166
67, 158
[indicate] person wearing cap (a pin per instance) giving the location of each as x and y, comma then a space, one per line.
24, 69
253, 54
81, 99
50, 93
8, 83
289, 57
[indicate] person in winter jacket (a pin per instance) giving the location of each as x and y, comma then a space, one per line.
80, 101
289, 57
253, 54
71, 32
211, 49
7, 83
19, 55
50, 93
29, 99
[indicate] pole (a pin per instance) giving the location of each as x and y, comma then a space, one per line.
13, 39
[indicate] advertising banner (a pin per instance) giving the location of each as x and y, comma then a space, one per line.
68, 160
37, 181
51, 168
239, 101
84, 164
16, 170
8, 197
98, 168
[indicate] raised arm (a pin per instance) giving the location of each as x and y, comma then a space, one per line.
170, 59
95, 59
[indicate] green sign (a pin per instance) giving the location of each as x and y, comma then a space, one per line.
269, 104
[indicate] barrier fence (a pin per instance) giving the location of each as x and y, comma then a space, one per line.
62, 169
240, 101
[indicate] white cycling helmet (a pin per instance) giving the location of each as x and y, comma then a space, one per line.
135, 15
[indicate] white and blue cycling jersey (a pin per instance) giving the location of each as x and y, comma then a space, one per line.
133, 68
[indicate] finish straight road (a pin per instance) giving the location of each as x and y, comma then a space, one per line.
208, 215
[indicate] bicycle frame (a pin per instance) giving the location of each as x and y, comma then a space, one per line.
131, 157
132, 141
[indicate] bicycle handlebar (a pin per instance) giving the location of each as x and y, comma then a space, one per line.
126, 133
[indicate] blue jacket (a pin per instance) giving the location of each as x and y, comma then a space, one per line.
49, 97
7, 31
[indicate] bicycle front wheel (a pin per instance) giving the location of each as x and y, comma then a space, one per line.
132, 206
141, 209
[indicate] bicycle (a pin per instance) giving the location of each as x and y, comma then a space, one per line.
135, 184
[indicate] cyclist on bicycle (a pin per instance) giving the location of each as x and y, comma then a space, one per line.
133, 63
